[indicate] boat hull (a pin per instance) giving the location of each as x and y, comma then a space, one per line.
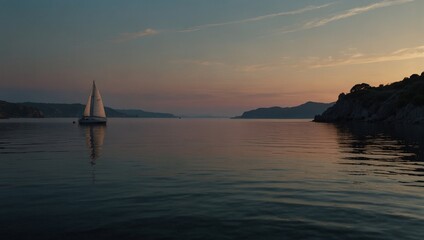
92, 120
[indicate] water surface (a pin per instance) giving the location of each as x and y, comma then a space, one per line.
210, 179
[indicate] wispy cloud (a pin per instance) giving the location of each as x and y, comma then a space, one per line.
360, 58
135, 35
254, 19
248, 68
346, 14
349, 57
204, 63
124, 37
258, 67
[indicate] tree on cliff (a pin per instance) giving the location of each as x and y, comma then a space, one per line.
401, 101
360, 87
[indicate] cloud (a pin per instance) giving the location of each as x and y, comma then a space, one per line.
347, 14
134, 35
247, 68
349, 57
204, 63
124, 37
359, 58
258, 67
309, 25
254, 19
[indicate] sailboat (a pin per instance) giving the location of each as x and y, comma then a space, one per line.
94, 112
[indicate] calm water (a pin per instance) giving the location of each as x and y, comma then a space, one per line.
210, 179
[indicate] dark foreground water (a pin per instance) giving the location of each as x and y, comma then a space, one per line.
210, 179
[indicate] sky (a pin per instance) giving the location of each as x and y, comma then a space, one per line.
205, 57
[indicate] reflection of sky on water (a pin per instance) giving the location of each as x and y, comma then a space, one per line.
94, 137
392, 151
298, 178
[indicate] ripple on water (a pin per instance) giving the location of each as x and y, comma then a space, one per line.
210, 179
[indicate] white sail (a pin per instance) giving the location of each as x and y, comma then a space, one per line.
97, 108
87, 107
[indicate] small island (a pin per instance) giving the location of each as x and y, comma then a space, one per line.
398, 102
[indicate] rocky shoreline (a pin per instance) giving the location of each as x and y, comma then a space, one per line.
400, 102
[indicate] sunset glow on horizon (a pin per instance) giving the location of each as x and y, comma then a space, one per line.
205, 57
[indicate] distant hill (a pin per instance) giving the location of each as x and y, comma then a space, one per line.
144, 114
54, 110
306, 110
57, 110
401, 101
14, 110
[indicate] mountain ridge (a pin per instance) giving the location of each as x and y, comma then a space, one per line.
304, 111
71, 110
13, 110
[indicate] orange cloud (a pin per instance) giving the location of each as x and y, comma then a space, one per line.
359, 58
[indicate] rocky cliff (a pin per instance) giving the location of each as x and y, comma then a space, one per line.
401, 101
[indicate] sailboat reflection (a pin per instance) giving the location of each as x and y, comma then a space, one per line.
94, 137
